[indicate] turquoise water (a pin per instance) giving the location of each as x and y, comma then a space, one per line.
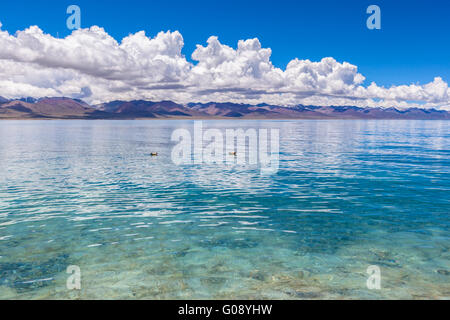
348, 195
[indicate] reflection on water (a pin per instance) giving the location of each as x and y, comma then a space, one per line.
348, 194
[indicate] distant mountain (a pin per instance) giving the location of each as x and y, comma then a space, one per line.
66, 108
148, 109
262, 111
29, 99
349, 112
49, 108
3, 100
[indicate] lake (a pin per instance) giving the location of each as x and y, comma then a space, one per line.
347, 195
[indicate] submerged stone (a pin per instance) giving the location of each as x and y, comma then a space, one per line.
25, 276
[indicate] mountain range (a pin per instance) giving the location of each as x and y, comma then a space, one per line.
67, 108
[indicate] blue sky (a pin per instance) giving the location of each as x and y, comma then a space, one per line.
405, 64
413, 45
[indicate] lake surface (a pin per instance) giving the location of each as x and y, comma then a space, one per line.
347, 195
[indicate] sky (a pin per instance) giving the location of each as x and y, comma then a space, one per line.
405, 63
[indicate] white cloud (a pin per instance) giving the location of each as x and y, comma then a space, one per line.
221, 67
92, 65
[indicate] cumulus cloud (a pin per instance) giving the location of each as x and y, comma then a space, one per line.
92, 65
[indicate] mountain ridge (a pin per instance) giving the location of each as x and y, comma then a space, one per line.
68, 108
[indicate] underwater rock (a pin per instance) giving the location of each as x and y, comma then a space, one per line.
213, 281
229, 243
303, 294
181, 254
307, 295
258, 275
24, 276
219, 267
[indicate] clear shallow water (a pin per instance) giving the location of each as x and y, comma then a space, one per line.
348, 194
